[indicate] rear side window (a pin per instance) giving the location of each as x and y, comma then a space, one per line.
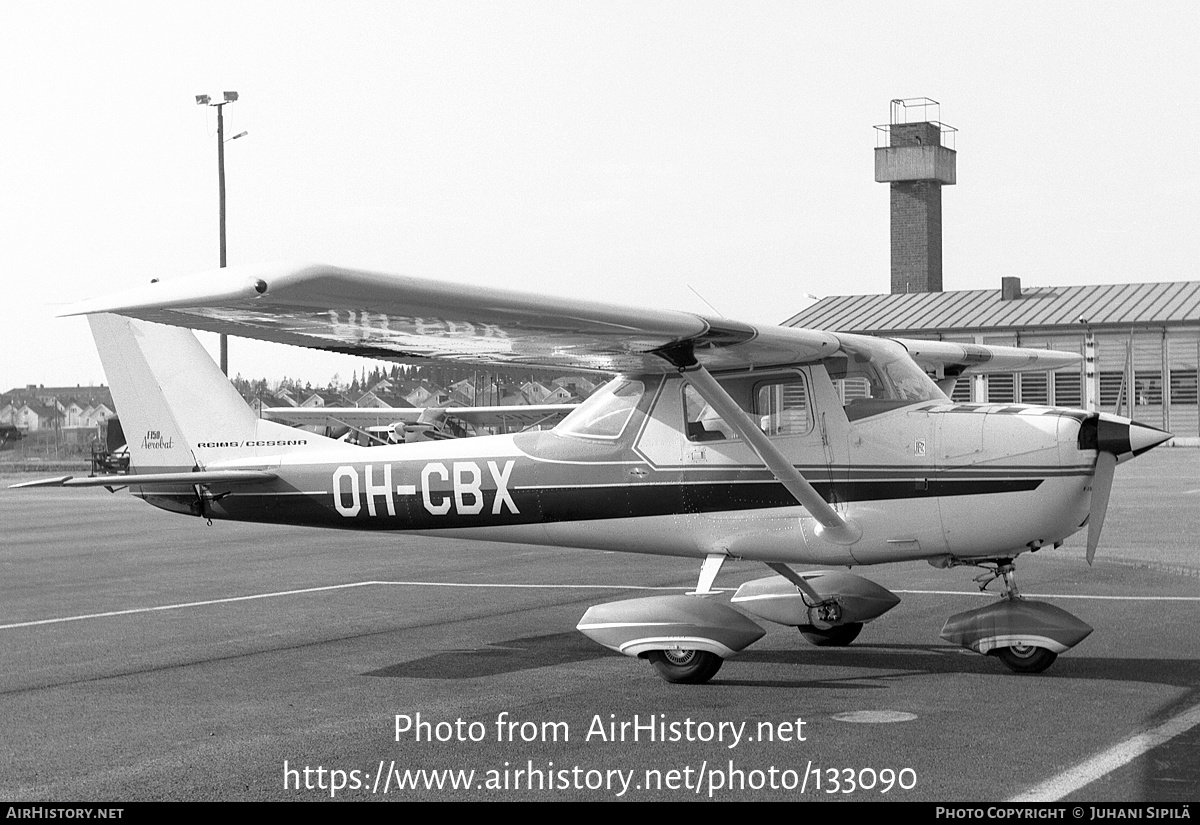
782, 406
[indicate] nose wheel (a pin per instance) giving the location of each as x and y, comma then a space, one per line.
1025, 658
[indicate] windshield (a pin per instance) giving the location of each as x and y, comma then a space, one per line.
877, 378
606, 413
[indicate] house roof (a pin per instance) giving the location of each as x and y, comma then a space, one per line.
42, 399
43, 411
1176, 303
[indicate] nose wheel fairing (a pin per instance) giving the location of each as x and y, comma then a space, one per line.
1016, 623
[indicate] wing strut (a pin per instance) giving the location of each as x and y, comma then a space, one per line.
833, 527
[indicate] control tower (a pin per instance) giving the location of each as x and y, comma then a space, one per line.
915, 155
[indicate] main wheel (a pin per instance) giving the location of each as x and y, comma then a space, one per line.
685, 667
1026, 658
836, 636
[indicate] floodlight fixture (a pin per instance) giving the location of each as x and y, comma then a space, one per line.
206, 100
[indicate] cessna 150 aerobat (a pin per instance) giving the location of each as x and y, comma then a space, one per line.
717, 440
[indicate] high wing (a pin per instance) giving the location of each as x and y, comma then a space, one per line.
949, 359
401, 318
495, 416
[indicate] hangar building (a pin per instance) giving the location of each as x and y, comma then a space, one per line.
1140, 342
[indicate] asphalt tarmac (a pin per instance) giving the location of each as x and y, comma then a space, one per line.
147, 656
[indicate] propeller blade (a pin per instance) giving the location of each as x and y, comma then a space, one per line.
1102, 481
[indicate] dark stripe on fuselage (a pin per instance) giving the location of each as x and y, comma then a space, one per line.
590, 503
561, 504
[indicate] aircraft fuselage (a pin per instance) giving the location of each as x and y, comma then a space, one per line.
649, 473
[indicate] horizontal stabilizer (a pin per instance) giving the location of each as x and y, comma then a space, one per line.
154, 479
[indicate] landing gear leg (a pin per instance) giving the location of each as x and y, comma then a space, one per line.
1003, 569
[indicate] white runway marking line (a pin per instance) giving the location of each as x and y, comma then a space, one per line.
131, 611
1104, 763
180, 606
1055, 596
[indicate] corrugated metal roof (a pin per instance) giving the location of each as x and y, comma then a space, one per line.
1175, 303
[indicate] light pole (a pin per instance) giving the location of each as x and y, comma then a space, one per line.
205, 100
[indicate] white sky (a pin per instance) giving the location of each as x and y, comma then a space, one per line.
607, 150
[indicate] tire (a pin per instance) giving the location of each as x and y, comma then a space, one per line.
837, 636
1025, 658
685, 667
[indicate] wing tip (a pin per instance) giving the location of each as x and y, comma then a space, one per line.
230, 283
58, 481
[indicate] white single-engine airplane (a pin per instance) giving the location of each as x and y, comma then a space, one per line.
718, 440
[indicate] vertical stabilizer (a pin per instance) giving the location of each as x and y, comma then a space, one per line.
177, 409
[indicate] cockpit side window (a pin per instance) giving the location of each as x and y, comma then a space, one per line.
703, 422
606, 412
